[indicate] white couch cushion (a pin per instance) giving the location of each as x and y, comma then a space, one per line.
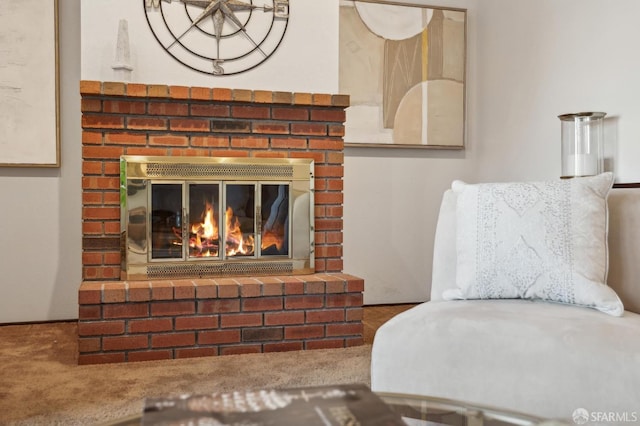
534, 240
624, 250
539, 358
443, 274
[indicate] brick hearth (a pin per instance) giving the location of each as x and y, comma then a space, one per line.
123, 321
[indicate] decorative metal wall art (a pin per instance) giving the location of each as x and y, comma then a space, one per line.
218, 37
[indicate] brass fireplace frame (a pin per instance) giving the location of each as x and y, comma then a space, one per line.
136, 174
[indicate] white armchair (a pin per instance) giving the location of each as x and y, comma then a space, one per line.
531, 356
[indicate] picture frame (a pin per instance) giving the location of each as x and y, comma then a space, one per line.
404, 67
29, 84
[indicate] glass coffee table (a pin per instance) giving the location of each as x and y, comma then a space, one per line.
419, 411
430, 411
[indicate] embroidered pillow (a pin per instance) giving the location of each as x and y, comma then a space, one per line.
535, 240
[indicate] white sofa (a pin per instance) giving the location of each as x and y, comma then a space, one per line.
534, 357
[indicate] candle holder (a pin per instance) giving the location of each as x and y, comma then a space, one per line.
582, 144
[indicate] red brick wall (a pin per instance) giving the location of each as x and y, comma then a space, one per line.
138, 119
142, 320
137, 320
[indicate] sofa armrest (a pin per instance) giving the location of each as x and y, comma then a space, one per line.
624, 246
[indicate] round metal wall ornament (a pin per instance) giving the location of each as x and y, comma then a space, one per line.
218, 37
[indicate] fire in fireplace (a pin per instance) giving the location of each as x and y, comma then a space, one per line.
202, 216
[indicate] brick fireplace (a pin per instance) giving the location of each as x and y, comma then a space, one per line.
126, 320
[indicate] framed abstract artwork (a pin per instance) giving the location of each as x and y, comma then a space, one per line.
29, 98
404, 67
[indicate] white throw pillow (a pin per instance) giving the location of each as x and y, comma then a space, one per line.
535, 240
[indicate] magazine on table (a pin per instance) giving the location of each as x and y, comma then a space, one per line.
335, 405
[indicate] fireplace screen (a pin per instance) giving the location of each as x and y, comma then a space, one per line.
199, 217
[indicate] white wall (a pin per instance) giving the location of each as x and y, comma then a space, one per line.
392, 199
541, 58
40, 218
306, 60
528, 61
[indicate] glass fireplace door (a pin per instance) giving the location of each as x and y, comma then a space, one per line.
204, 231
274, 215
209, 217
201, 221
240, 220
166, 220
185, 221
253, 223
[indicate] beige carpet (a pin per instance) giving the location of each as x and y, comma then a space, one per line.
41, 383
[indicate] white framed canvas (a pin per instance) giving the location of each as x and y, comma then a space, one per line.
403, 66
29, 84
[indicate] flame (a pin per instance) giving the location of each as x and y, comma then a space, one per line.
271, 238
210, 226
204, 239
205, 234
236, 242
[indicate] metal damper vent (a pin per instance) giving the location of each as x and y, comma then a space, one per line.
213, 171
219, 270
